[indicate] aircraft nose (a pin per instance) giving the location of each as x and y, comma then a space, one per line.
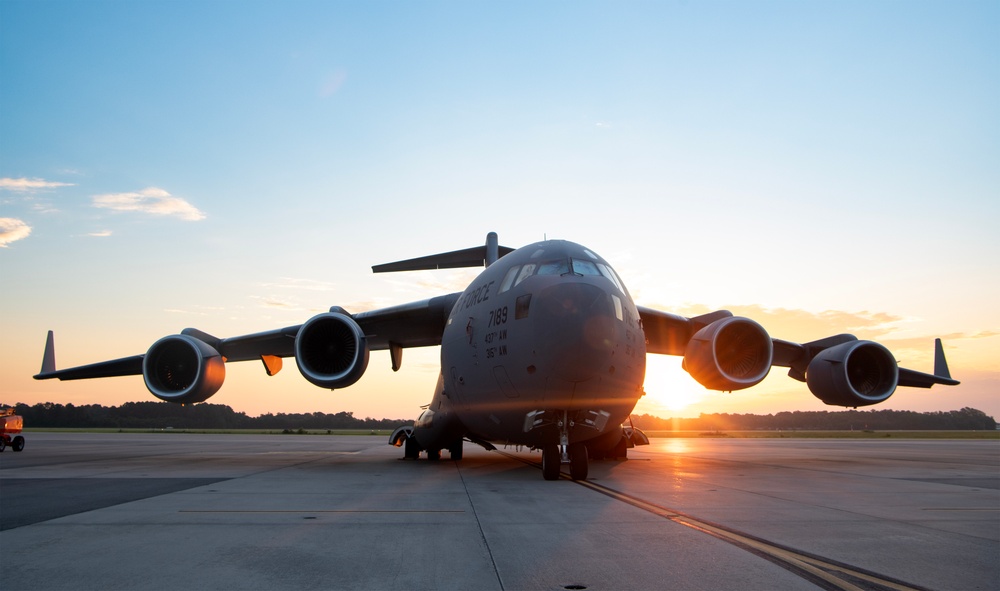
575, 330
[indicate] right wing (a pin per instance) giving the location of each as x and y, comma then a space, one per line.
331, 350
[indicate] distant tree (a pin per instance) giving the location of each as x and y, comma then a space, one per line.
160, 415
956, 420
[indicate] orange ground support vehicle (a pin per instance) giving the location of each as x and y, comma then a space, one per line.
11, 424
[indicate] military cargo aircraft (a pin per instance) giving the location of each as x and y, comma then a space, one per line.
544, 349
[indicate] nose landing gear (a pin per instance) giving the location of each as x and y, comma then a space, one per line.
554, 456
574, 454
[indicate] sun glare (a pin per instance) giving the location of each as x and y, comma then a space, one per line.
668, 387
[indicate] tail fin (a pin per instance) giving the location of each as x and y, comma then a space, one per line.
476, 256
49, 357
940, 363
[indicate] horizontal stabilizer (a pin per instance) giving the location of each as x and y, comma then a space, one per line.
477, 256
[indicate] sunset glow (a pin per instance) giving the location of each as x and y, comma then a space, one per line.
820, 167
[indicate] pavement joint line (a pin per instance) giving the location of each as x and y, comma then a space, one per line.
817, 567
479, 524
813, 567
316, 511
987, 509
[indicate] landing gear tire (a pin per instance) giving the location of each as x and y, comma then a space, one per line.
551, 460
578, 463
3, 443
455, 450
621, 450
434, 454
18, 443
411, 450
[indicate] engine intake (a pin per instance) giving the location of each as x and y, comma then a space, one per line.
331, 350
858, 373
182, 369
729, 354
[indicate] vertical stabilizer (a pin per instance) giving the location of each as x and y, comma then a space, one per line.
940, 363
492, 248
49, 357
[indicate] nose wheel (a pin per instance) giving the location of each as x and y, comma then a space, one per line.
574, 454
551, 461
579, 463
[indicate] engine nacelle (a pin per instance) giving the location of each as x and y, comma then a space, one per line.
182, 369
729, 354
858, 373
331, 350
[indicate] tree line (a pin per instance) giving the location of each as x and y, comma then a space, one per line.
966, 419
162, 415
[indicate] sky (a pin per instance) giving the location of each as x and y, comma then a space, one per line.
821, 167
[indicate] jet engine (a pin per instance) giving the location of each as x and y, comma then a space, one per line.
182, 369
856, 373
729, 354
331, 350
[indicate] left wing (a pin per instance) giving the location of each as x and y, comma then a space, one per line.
725, 352
331, 350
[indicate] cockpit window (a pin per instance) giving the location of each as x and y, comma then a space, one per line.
526, 271
559, 267
508, 279
607, 272
581, 267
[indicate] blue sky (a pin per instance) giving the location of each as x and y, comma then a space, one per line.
238, 166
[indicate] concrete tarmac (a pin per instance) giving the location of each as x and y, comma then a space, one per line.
184, 511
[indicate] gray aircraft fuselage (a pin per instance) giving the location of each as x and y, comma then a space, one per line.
548, 329
544, 349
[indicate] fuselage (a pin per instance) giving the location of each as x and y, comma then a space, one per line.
546, 334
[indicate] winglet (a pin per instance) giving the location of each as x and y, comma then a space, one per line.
49, 357
940, 363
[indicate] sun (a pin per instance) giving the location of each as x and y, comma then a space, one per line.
668, 387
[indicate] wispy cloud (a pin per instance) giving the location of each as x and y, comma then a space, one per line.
433, 281
332, 83
303, 284
151, 200
101, 234
44, 207
26, 185
12, 230
197, 310
286, 304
